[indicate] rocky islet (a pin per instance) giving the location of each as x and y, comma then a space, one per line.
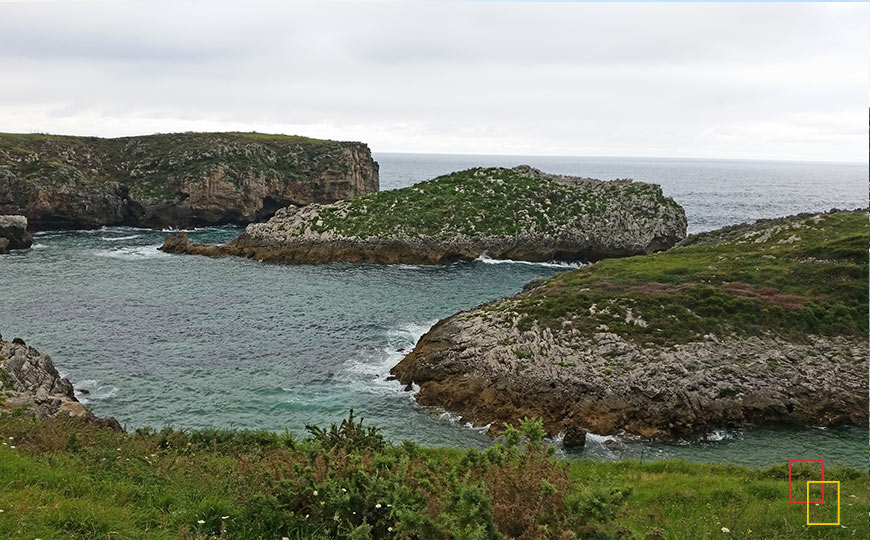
520, 213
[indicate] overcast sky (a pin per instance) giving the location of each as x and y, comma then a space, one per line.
736, 80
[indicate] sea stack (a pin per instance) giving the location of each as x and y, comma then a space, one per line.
13, 233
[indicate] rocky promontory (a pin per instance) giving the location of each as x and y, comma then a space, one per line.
13, 233
174, 180
757, 324
30, 384
519, 213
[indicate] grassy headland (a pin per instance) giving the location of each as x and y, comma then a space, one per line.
66, 479
764, 323
174, 178
796, 277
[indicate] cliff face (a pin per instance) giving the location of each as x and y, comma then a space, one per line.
519, 213
176, 180
30, 383
764, 323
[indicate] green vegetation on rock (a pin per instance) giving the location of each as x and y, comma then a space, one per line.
68, 479
791, 277
485, 202
92, 180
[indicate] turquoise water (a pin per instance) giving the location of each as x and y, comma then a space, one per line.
195, 342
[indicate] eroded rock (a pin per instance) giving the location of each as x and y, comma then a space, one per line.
13, 233
30, 384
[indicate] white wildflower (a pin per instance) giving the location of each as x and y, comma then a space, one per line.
726, 530
378, 505
201, 521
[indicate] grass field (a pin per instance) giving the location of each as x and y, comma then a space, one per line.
61, 479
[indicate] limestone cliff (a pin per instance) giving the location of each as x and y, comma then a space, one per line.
763, 323
13, 233
174, 180
518, 213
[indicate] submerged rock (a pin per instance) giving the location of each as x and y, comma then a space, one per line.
762, 324
13, 233
30, 384
519, 213
174, 180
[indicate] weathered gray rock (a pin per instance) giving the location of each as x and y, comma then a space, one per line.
30, 383
13, 233
609, 349
519, 213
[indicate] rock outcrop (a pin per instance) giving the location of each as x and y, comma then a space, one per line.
174, 180
759, 324
520, 214
30, 384
13, 233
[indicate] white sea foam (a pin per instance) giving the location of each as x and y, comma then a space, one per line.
487, 260
119, 238
132, 253
370, 373
38, 246
719, 435
95, 392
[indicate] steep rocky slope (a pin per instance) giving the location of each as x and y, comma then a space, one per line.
30, 384
176, 180
518, 213
763, 323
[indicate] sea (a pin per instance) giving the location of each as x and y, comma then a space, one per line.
193, 342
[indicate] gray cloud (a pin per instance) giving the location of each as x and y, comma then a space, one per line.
785, 81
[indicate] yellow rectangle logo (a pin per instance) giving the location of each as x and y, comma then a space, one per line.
808, 499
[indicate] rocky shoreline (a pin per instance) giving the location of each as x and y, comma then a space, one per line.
30, 385
461, 217
174, 180
615, 348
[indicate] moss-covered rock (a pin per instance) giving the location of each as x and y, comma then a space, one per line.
518, 213
179, 179
764, 323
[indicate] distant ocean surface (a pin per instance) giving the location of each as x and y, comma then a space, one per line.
714, 192
196, 342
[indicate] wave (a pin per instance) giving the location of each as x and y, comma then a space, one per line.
370, 374
93, 391
488, 260
200, 229
119, 238
456, 420
133, 253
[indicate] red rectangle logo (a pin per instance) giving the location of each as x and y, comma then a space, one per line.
789, 482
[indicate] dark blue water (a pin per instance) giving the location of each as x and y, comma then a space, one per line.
197, 342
